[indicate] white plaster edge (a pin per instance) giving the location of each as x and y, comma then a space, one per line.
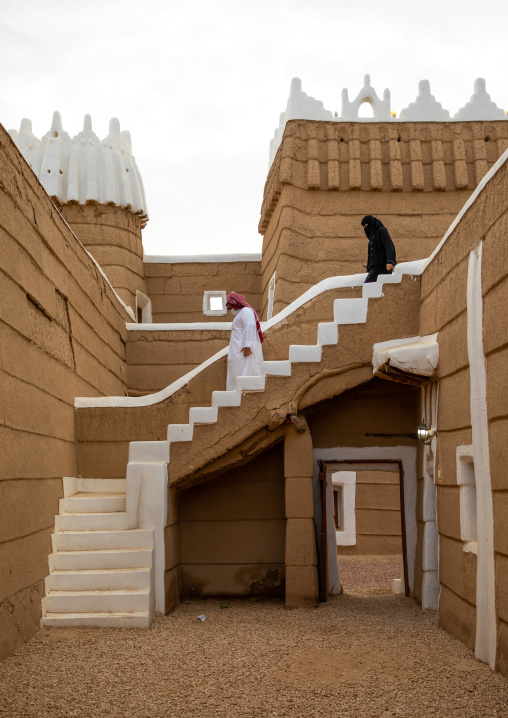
200, 258
180, 327
486, 620
480, 187
81, 402
406, 454
416, 355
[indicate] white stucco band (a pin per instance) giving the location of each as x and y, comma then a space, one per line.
416, 355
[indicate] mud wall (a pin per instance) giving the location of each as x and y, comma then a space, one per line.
328, 175
444, 310
155, 359
113, 237
378, 407
176, 289
232, 531
378, 518
62, 333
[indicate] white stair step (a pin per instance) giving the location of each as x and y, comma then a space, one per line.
92, 540
100, 579
73, 485
96, 601
250, 383
277, 368
118, 619
350, 311
100, 559
180, 432
93, 502
372, 289
91, 522
203, 415
149, 451
327, 333
226, 398
305, 353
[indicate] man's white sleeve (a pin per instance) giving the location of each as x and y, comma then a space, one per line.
250, 330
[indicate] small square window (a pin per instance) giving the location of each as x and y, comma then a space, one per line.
214, 303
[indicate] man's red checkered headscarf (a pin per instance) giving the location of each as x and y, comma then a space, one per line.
237, 301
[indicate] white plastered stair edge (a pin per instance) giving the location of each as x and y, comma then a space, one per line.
414, 355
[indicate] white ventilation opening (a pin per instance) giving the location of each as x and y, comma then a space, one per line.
467, 481
143, 308
344, 499
214, 303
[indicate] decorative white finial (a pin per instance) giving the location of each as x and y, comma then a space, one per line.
480, 106
381, 108
84, 169
425, 108
300, 106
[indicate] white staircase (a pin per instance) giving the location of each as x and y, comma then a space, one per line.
101, 571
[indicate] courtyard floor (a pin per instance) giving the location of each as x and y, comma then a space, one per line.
366, 653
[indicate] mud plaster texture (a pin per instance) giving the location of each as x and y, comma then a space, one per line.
366, 653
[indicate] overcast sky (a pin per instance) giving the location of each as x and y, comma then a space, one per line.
200, 85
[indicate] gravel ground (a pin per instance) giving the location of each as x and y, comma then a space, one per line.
357, 655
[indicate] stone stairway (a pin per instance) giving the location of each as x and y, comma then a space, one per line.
101, 568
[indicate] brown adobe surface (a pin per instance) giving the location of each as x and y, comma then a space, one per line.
356, 656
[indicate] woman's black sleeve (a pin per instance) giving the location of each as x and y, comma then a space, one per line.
389, 246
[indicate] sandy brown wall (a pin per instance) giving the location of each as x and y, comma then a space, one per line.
378, 518
327, 176
113, 236
177, 289
232, 531
155, 359
378, 407
443, 309
62, 334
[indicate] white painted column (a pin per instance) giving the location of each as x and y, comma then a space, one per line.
430, 554
486, 639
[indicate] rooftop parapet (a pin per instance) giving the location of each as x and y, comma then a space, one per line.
83, 169
425, 108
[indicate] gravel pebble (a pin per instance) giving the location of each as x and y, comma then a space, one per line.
364, 653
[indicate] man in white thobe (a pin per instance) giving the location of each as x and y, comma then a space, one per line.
245, 355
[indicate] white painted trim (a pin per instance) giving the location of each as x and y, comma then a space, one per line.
145, 304
271, 296
415, 355
486, 632
467, 482
406, 454
346, 481
472, 199
199, 258
194, 326
431, 588
207, 310
151, 479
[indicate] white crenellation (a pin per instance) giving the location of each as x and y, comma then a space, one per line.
480, 106
84, 169
425, 108
367, 94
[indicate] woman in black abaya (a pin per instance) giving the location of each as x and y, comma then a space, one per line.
381, 252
